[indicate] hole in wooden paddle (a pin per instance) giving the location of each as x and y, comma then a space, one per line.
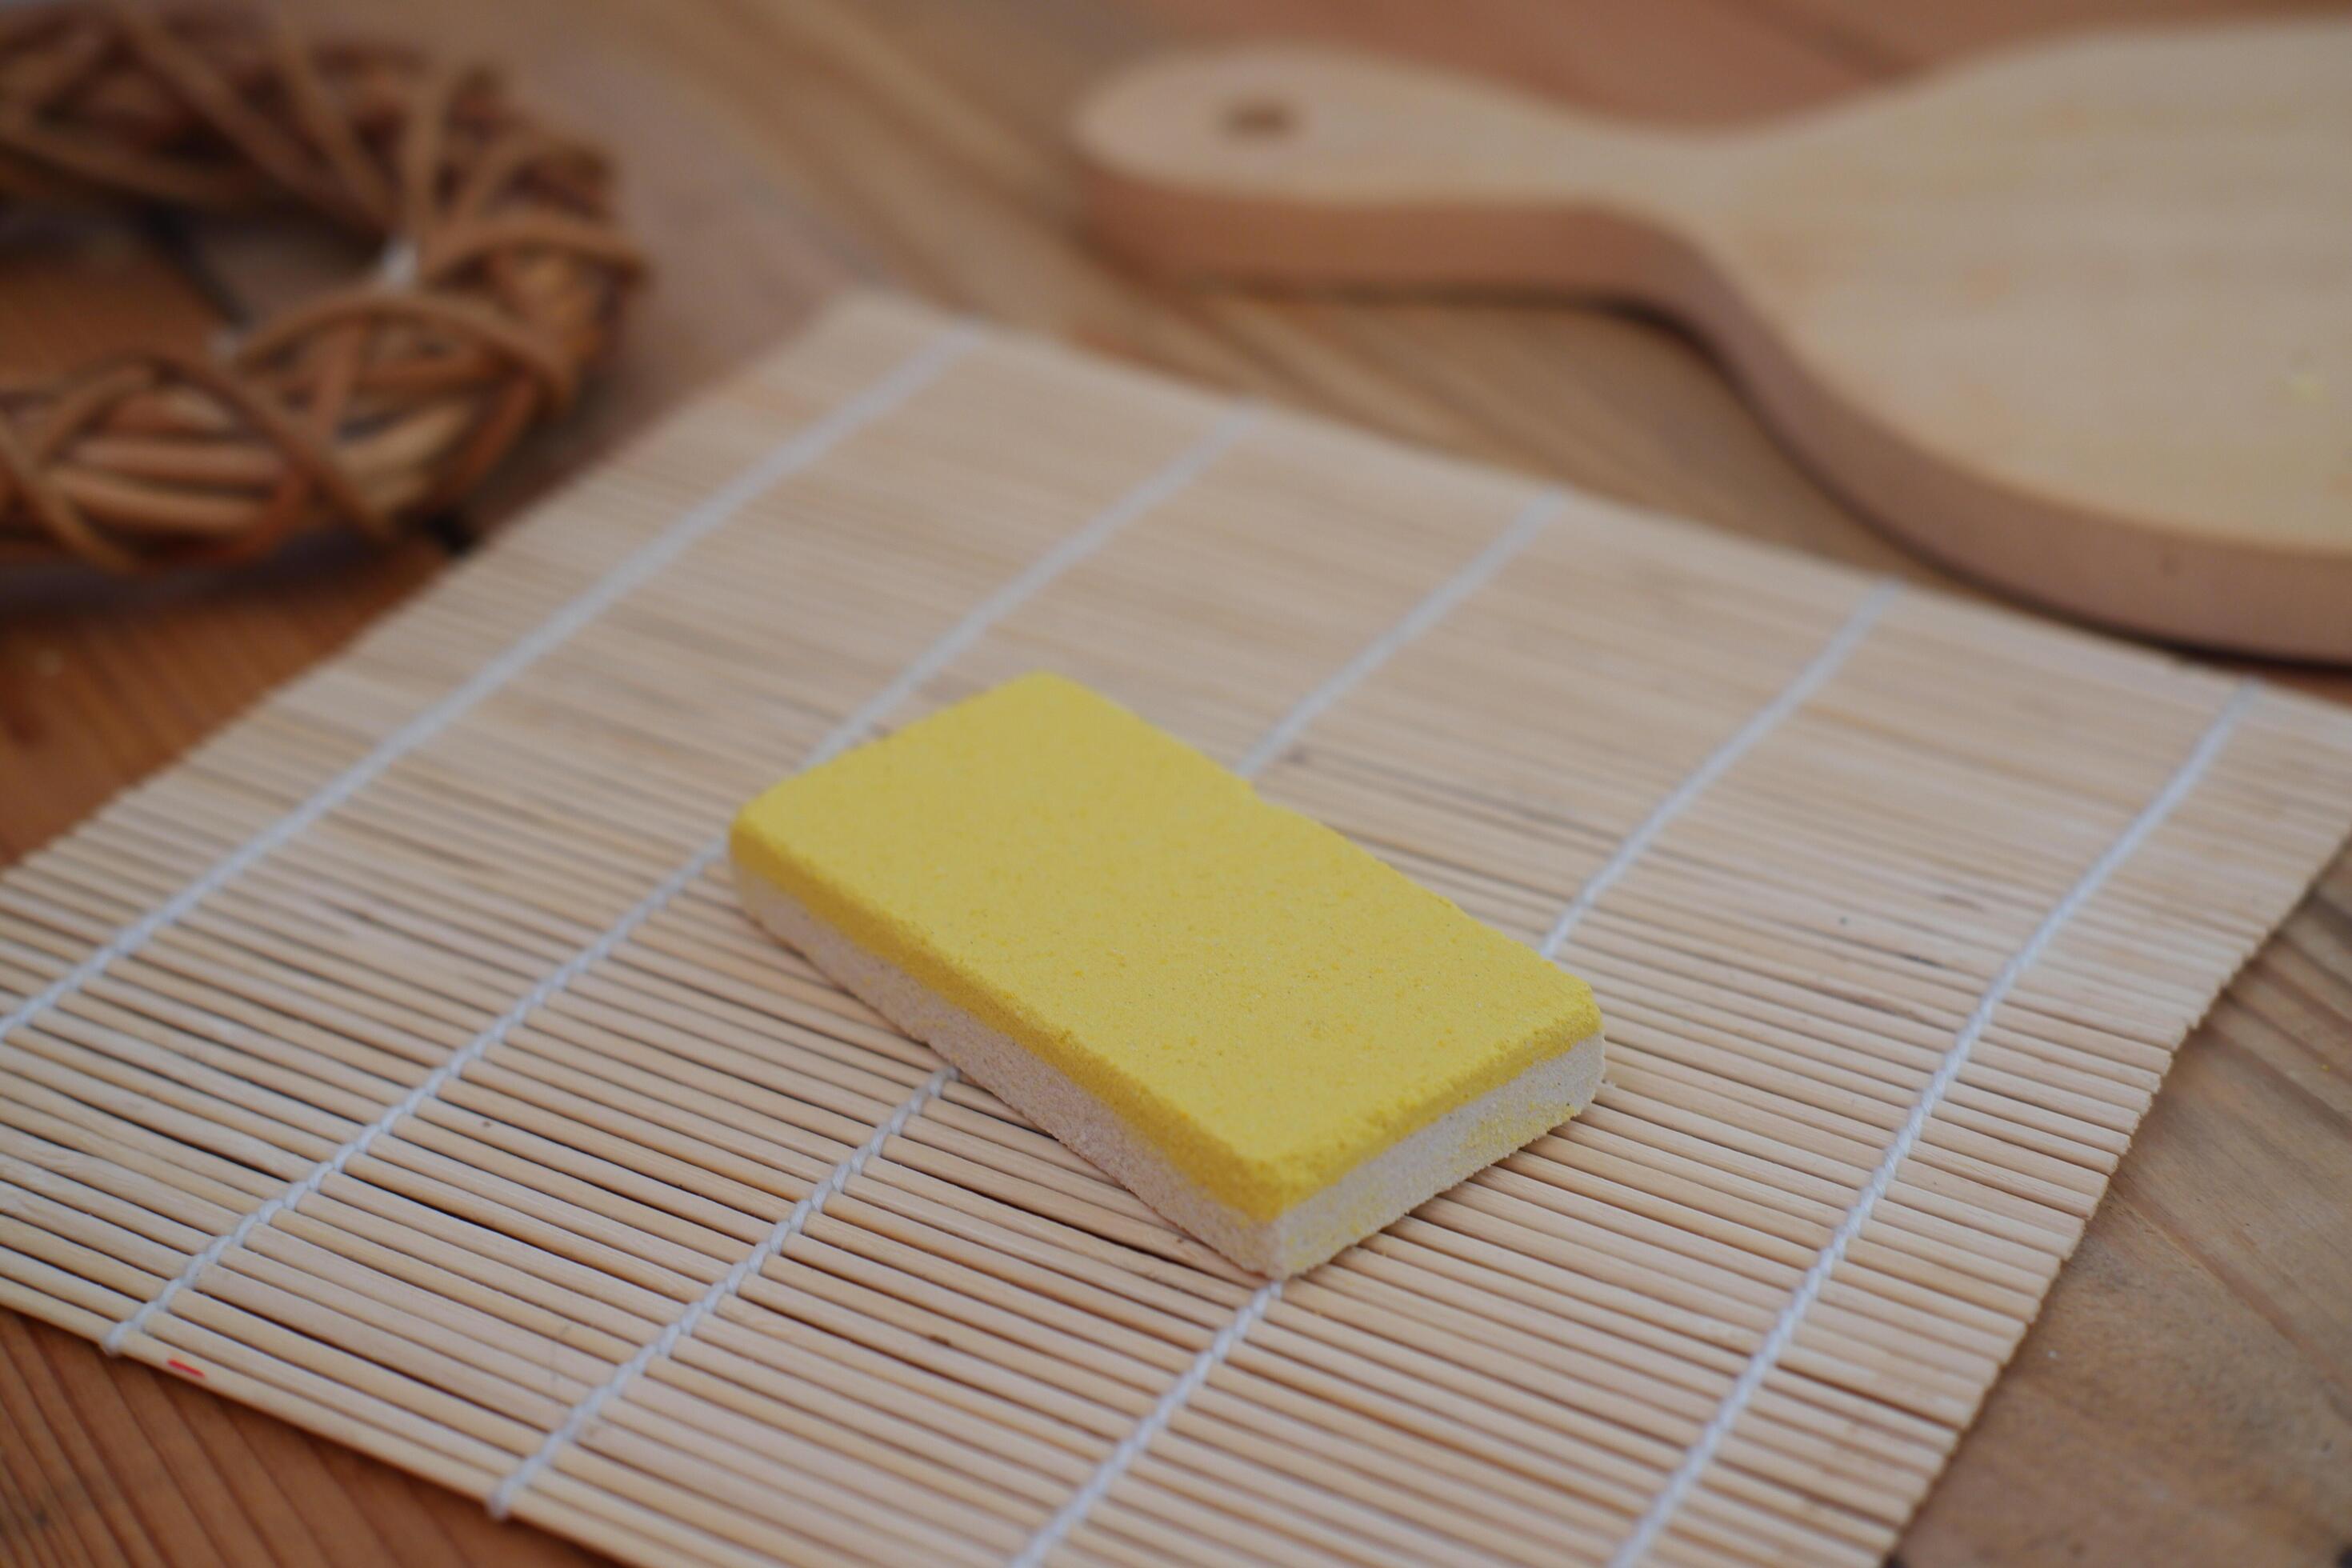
1260, 119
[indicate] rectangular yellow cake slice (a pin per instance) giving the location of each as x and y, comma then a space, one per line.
1276, 1039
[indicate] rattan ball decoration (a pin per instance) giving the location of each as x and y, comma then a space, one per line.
382, 402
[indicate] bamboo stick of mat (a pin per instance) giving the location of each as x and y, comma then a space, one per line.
399, 1062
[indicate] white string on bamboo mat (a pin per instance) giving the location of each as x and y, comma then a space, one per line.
1661, 1512
1162, 484
779, 463
1800, 686
1808, 681
1532, 520
583, 1414
1121, 1459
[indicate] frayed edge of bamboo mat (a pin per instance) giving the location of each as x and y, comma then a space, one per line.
400, 1063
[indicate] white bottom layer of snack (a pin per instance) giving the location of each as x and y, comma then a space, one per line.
1391, 1183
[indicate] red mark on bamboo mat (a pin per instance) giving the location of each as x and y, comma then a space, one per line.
176, 1364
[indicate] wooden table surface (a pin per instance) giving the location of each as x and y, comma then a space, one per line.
2187, 1395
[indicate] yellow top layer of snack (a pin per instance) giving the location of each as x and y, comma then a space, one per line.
1264, 1001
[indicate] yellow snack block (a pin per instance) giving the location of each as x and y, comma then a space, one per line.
1274, 1038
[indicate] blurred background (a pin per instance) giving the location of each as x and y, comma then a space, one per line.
771, 153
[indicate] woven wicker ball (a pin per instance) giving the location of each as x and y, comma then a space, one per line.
501, 281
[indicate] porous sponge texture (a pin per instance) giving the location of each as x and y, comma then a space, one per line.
1264, 1003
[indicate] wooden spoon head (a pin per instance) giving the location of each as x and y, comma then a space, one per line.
2077, 319
2109, 280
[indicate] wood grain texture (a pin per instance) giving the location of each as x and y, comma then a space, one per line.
2075, 319
2199, 1396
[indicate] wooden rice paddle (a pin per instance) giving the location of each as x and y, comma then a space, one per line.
2077, 321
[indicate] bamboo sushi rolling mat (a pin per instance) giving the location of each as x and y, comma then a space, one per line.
400, 1063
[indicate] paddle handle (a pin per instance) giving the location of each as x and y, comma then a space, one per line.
1291, 163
